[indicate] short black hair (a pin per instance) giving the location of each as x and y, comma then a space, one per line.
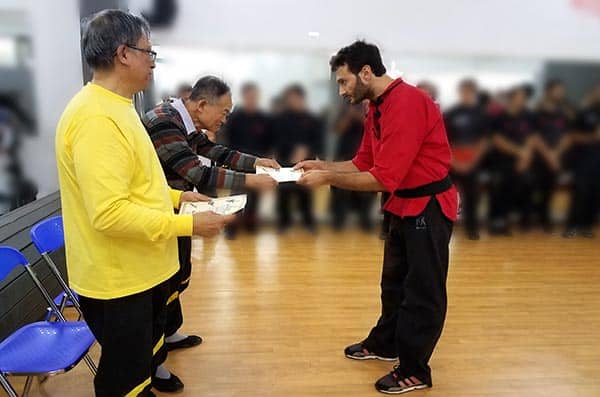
357, 55
249, 86
104, 31
468, 83
210, 88
551, 83
295, 89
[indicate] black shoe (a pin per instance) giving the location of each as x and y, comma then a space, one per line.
398, 383
473, 235
171, 385
570, 233
190, 341
359, 352
587, 233
150, 394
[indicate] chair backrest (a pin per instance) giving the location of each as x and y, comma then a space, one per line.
48, 235
9, 259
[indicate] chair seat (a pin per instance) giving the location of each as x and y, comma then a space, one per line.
45, 347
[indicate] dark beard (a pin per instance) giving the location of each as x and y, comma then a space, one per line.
361, 92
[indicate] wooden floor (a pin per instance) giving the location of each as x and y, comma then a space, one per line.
276, 313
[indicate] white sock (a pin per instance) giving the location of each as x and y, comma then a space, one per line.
162, 372
176, 337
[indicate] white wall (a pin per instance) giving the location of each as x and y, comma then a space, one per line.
516, 28
57, 77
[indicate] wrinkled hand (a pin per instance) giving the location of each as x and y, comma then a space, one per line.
309, 165
260, 182
192, 196
264, 162
315, 178
209, 224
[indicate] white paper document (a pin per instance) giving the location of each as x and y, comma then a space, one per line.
281, 175
222, 205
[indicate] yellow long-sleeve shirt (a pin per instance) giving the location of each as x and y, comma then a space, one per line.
120, 227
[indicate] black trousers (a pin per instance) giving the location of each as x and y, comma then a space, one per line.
544, 185
130, 331
287, 193
249, 217
413, 290
469, 194
344, 201
585, 194
510, 191
177, 284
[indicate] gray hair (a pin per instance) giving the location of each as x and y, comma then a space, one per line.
210, 88
105, 31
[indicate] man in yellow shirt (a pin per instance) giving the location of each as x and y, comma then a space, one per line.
120, 227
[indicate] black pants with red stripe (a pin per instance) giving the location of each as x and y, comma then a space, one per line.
130, 331
413, 290
177, 284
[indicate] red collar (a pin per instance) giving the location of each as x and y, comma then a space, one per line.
388, 89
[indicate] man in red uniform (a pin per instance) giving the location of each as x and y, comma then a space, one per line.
404, 151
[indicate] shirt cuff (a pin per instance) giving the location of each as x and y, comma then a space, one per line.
184, 225
387, 183
175, 197
362, 167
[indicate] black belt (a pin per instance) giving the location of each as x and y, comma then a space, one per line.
430, 189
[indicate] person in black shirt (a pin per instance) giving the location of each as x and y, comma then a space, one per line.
248, 131
467, 126
585, 141
552, 124
297, 136
510, 184
349, 128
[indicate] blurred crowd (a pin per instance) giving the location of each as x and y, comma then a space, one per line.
511, 154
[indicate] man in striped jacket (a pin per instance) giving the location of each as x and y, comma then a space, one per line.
185, 152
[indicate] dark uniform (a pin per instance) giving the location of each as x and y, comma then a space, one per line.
290, 130
552, 126
509, 189
406, 149
467, 126
585, 200
342, 201
248, 133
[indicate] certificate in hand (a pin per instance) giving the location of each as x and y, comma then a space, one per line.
281, 175
222, 205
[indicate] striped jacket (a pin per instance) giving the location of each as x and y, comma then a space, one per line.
178, 151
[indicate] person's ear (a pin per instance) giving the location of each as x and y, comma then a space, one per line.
121, 55
365, 74
201, 105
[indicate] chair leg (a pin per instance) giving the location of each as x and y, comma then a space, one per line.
27, 387
7, 386
91, 365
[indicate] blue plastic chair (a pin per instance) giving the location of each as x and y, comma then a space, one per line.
41, 348
47, 237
